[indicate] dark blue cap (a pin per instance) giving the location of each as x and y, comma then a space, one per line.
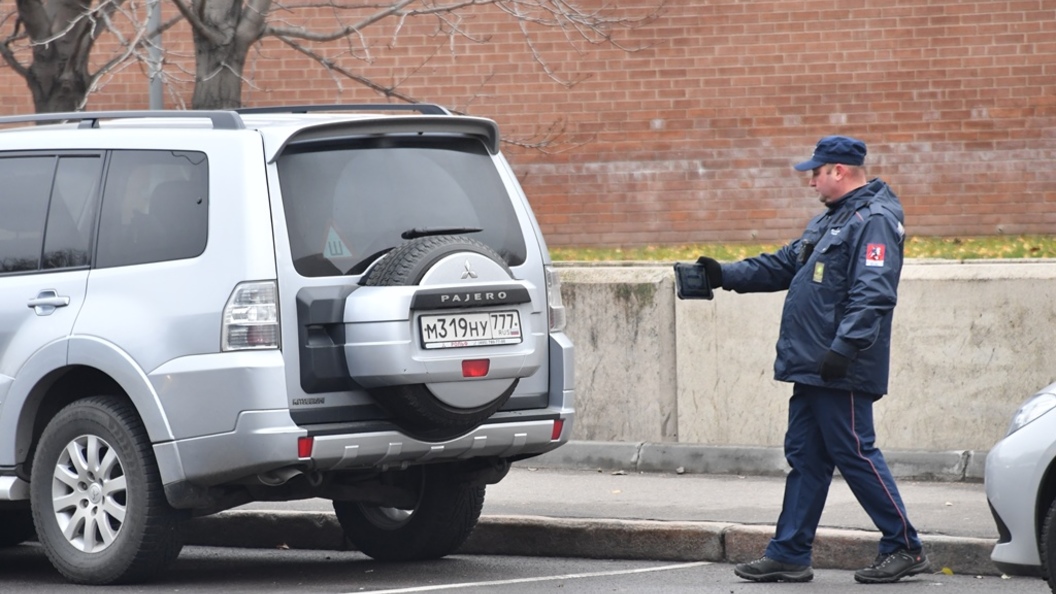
835, 149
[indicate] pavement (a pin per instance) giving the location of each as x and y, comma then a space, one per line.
667, 502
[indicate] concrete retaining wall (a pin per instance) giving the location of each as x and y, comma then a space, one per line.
971, 341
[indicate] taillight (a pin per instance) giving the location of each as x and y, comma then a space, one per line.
553, 300
251, 317
559, 426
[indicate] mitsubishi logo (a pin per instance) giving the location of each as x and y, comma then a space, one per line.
469, 273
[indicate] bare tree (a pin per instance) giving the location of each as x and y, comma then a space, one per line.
224, 31
49, 43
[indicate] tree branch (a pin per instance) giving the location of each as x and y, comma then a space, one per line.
130, 48
308, 35
254, 21
331, 65
5, 46
200, 27
34, 18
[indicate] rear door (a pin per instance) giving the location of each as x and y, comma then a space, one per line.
48, 207
348, 201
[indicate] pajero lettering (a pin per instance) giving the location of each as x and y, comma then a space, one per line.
473, 297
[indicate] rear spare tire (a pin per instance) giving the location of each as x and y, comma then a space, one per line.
416, 408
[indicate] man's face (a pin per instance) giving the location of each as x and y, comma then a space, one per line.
825, 179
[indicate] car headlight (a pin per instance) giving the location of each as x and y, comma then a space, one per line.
1038, 405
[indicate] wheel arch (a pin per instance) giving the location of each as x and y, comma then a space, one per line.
92, 368
1046, 497
51, 394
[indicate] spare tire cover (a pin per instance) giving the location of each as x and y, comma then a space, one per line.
415, 407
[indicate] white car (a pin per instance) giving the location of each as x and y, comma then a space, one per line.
1021, 489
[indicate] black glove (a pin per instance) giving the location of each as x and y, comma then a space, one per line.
713, 269
834, 366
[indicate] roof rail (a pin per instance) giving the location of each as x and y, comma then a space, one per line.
221, 120
423, 108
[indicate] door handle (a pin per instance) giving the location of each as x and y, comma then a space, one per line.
47, 301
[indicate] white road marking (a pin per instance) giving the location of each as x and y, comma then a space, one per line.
550, 578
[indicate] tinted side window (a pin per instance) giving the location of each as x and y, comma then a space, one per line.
23, 207
71, 215
155, 207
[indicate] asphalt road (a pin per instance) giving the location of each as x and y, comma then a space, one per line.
207, 570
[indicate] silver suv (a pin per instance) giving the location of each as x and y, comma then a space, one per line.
203, 309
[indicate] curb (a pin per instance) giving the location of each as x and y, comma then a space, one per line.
923, 465
592, 538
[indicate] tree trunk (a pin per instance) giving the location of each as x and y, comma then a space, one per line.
56, 86
222, 40
218, 74
58, 76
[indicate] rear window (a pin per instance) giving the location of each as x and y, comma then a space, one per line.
347, 203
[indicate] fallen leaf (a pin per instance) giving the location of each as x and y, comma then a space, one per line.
947, 571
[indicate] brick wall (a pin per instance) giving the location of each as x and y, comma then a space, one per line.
691, 137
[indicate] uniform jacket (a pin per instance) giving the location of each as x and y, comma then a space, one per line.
842, 281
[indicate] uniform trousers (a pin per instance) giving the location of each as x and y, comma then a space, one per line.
827, 429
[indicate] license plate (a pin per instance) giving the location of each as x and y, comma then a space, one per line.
450, 331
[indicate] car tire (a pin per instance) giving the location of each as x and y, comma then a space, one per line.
1048, 547
98, 505
442, 519
17, 527
419, 412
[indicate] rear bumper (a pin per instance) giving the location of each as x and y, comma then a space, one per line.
265, 441
384, 449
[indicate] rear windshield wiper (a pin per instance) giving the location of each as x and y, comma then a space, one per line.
428, 231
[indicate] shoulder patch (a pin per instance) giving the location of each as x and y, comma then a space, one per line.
874, 254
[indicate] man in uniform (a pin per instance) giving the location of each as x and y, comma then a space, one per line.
834, 346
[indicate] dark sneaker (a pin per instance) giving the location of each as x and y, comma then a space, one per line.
766, 569
893, 567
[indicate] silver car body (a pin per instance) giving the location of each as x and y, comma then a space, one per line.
154, 331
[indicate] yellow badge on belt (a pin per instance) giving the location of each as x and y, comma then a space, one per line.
819, 271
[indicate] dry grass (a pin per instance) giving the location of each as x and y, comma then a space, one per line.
944, 248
